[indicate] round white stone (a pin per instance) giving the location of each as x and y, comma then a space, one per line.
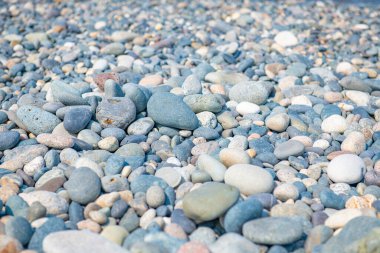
244, 108
346, 168
334, 123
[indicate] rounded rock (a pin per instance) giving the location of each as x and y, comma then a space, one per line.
346, 168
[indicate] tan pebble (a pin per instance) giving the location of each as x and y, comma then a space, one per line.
193, 247
334, 154
126, 195
107, 200
89, 225
333, 97
251, 152
176, 231
9, 244
360, 201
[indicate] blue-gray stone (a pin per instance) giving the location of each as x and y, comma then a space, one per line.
16, 206
207, 133
8, 139
83, 186
169, 110
137, 95
133, 139
240, 213
114, 183
135, 161
261, 146
179, 217
51, 158
168, 243
331, 200
267, 200
50, 226
76, 119
66, 94
183, 150
76, 212
354, 230
267, 158
119, 208
112, 89
329, 110
37, 120
3, 115
114, 165
19, 228
130, 220
135, 237
118, 133
143, 182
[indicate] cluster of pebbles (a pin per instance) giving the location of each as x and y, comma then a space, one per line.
189, 127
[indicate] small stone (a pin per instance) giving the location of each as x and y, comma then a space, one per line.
83, 185
19, 228
8, 139
244, 108
37, 120
253, 92
249, 179
270, 230
342, 217
209, 201
109, 143
231, 156
115, 234
116, 112
285, 192
286, 39
72, 241
212, 166
289, 148
169, 110
169, 175
355, 143
155, 196
346, 168
55, 141
71, 122
334, 123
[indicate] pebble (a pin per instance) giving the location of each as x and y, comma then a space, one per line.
354, 143
346, 168
71, 122
289, 148
249, 179
269, 230
231, 156
212, 166
277, 122
252, 92
8, 140
83, 185
116, 112
78, 241
175, 113
217, 197
52, 201
334, 124
286, 39
37, 120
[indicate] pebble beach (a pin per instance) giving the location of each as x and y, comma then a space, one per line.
189, 126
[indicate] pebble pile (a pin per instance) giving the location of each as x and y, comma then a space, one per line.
189, 127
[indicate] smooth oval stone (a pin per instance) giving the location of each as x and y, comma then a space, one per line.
66, 94
289, 148
37, 120
51, 180
76, 120
50, 226
83, 186
19, 228
209, 201
8, 139
170, 175
232, 242
212, 166
334, 124
240, 213
355, 142
346, 168
231, 156
244, 108
56, 141
72, 241
169, 110
249, 179
201, 103
253, 92
116, 112
277, 122
273, 230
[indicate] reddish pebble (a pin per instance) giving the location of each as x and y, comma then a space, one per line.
193, 247
100, 79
